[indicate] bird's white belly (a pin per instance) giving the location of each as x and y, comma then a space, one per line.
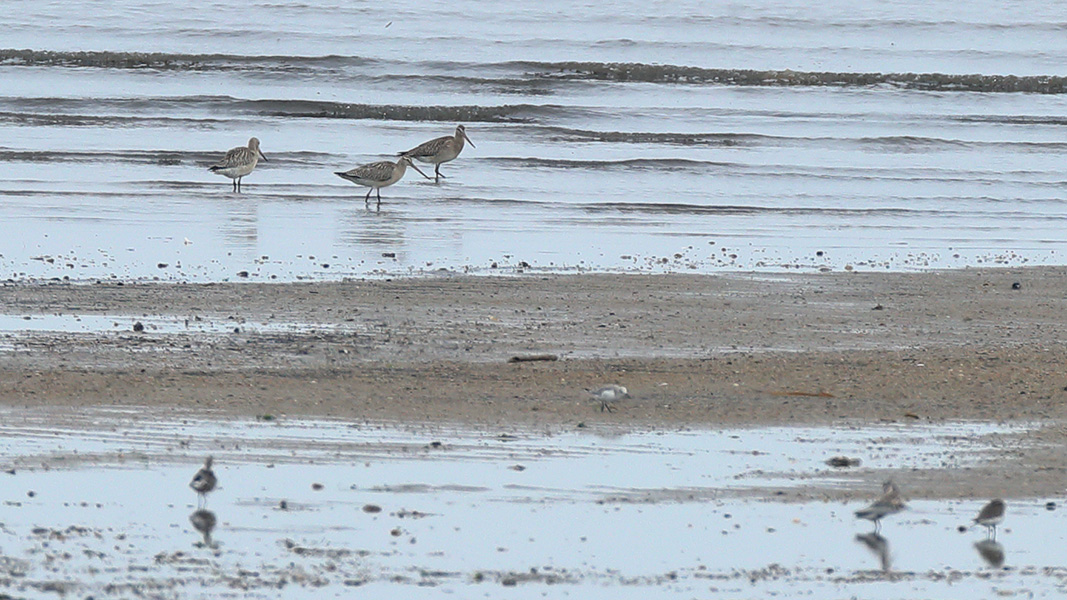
237, 171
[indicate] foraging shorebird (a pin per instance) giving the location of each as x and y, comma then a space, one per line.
608, 395
440, 150
204, 481
239, 162
890, 503
204, 521
990, 516
378, 175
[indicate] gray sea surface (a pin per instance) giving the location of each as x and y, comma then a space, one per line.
622, 136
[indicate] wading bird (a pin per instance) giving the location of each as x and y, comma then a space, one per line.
378, 175
239, 162
440, 150
204, 481
890, 503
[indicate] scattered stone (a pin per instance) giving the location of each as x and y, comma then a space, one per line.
1016, 286
371, 508
534, 358
317, 487
843, 462
138, 327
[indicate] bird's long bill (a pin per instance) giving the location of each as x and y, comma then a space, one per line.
260, 153
468, 140
419, 170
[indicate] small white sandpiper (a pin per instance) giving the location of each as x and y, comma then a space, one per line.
204, 481
378, 175
238, 162
608, 395
440, 150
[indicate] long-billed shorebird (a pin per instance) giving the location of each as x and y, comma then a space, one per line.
378, 175
204, 481
890, 503
440, 150
239, 162
608, 395
991, 515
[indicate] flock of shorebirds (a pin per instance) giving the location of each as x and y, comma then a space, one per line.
991, 515
242, 160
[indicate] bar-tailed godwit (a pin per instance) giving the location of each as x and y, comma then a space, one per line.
378, 175
440, 150
239, 162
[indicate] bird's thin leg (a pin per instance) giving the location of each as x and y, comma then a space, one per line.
437, 173
234, 186
379, 197
366, 200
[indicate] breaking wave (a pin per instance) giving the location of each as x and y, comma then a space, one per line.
513, 73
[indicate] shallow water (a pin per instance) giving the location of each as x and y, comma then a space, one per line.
668, 136
652, 514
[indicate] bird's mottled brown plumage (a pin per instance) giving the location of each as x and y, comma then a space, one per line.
238, 162
378, 175
440, 150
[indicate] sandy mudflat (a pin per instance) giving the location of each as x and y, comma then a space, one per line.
741, 349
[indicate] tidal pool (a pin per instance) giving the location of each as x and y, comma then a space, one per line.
98, 504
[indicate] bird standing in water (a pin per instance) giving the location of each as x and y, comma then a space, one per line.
890, 503
378, 175
239, 162
990, 516
204, 481
440, 150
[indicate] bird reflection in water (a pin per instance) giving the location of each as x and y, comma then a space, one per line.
204, 521
991, 552
879, 546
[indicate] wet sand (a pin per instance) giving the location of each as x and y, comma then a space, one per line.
842, 348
